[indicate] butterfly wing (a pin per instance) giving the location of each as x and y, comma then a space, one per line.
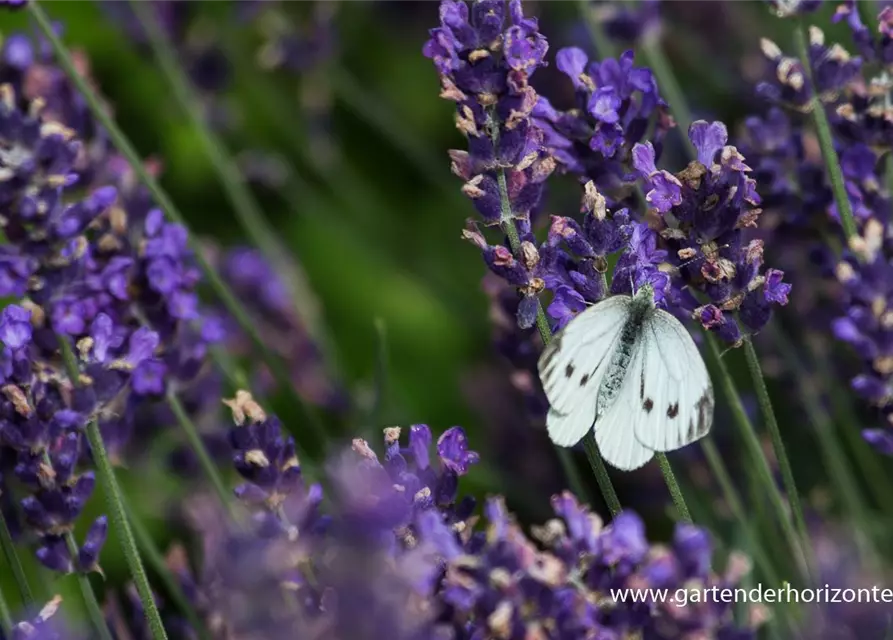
616, 440
573, 364
671, 390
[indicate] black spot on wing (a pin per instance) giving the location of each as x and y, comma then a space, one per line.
648, 405
584, 379
699, 425
642, 384
704, 408
569, 370
673, 410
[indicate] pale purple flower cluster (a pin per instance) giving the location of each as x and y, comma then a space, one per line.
791, 178
396, 552
91, 262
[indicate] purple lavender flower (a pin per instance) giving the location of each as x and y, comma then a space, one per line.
704, 212
510, 587
629, 24
44, 626
788, 85
617, 105
485, 54
266, 297
790, 174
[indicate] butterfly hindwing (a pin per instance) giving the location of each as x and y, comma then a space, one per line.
613, 435
573, 364
673, 393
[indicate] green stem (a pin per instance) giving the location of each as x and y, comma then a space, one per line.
204, 458
669, 88
752, 444
15, 565
600, 471
124, 146
784, 463
118, 517
5, 616
507, 224
675, 492
600, 42
156, 561
837, 466
386, 118
718, 468
826, 141
115, 503
94, 611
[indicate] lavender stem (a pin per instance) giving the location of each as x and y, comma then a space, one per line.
784, 463
246, 207
94, 611
5, 616
826, 141
201, 451
542, 324
752, 445
15, 565
156, 561
115, 502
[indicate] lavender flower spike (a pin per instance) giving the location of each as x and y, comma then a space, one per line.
485, 54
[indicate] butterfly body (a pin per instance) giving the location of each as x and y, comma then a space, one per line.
631, 372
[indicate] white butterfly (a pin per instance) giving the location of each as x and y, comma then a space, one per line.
631, 372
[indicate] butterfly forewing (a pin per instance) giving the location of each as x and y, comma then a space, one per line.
573, 365
673, 391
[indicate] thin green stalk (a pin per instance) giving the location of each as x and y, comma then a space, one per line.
384, 118
5, 616
600, 471
248, 211
719, 471
784, 463
733, 499
15, 565
675, 492
115, 504
826, 141
204, 458
124, 146
542, 323
115, 501
94, 611
669, 88
156, 561
836, 464
600, 42
867, 460
752, 444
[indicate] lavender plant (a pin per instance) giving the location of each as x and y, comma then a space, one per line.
107, 338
